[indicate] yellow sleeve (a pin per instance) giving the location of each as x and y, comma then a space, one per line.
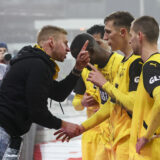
154, 122
77, 102
125, 100
101, 115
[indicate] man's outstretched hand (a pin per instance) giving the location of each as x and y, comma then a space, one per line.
68, 131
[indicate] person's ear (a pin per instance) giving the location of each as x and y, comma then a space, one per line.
140, 36
123, 32
51, 42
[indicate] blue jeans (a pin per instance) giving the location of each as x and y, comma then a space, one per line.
9, 146
4, 141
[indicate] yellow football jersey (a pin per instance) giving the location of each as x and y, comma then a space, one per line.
149, 80
109, 71
116, 135
126, 81
91, 140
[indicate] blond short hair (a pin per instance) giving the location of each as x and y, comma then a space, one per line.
48, 31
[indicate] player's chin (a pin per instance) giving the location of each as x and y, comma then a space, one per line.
62, 59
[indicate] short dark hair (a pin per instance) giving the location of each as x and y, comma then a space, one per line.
120, 19
79, 41
95, 29
148, 26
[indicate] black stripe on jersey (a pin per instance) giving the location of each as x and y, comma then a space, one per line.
134, 74
146, 126
151, 76
80, 87
112, 99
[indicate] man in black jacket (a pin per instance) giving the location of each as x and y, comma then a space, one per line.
30, 81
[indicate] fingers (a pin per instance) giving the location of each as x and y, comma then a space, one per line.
82, 60
141, 142
65, 138
85, 45
88, 100
68, 131
91, 75
91, 104
84, 56
137, 146
60, 135
137, 149
59, 131
95, 110
68, 139
87, 96
92, 67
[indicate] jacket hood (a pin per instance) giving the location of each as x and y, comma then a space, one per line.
32, 52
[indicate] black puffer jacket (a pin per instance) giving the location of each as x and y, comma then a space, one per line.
25, 90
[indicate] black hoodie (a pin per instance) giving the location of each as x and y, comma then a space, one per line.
25, 89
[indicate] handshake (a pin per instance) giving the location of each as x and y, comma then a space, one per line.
69, 130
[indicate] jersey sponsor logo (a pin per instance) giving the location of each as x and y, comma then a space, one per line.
136, 79
104, 96
154, 79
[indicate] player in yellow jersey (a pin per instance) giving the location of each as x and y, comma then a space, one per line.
145, 129
81, 99
108, 66
87, 96
117, 27
119, 106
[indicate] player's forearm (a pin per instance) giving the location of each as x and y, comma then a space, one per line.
154, 122
125, 100
101, 115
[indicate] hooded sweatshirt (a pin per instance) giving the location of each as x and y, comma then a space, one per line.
25, 89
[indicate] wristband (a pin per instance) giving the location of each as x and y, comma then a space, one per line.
76, 72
